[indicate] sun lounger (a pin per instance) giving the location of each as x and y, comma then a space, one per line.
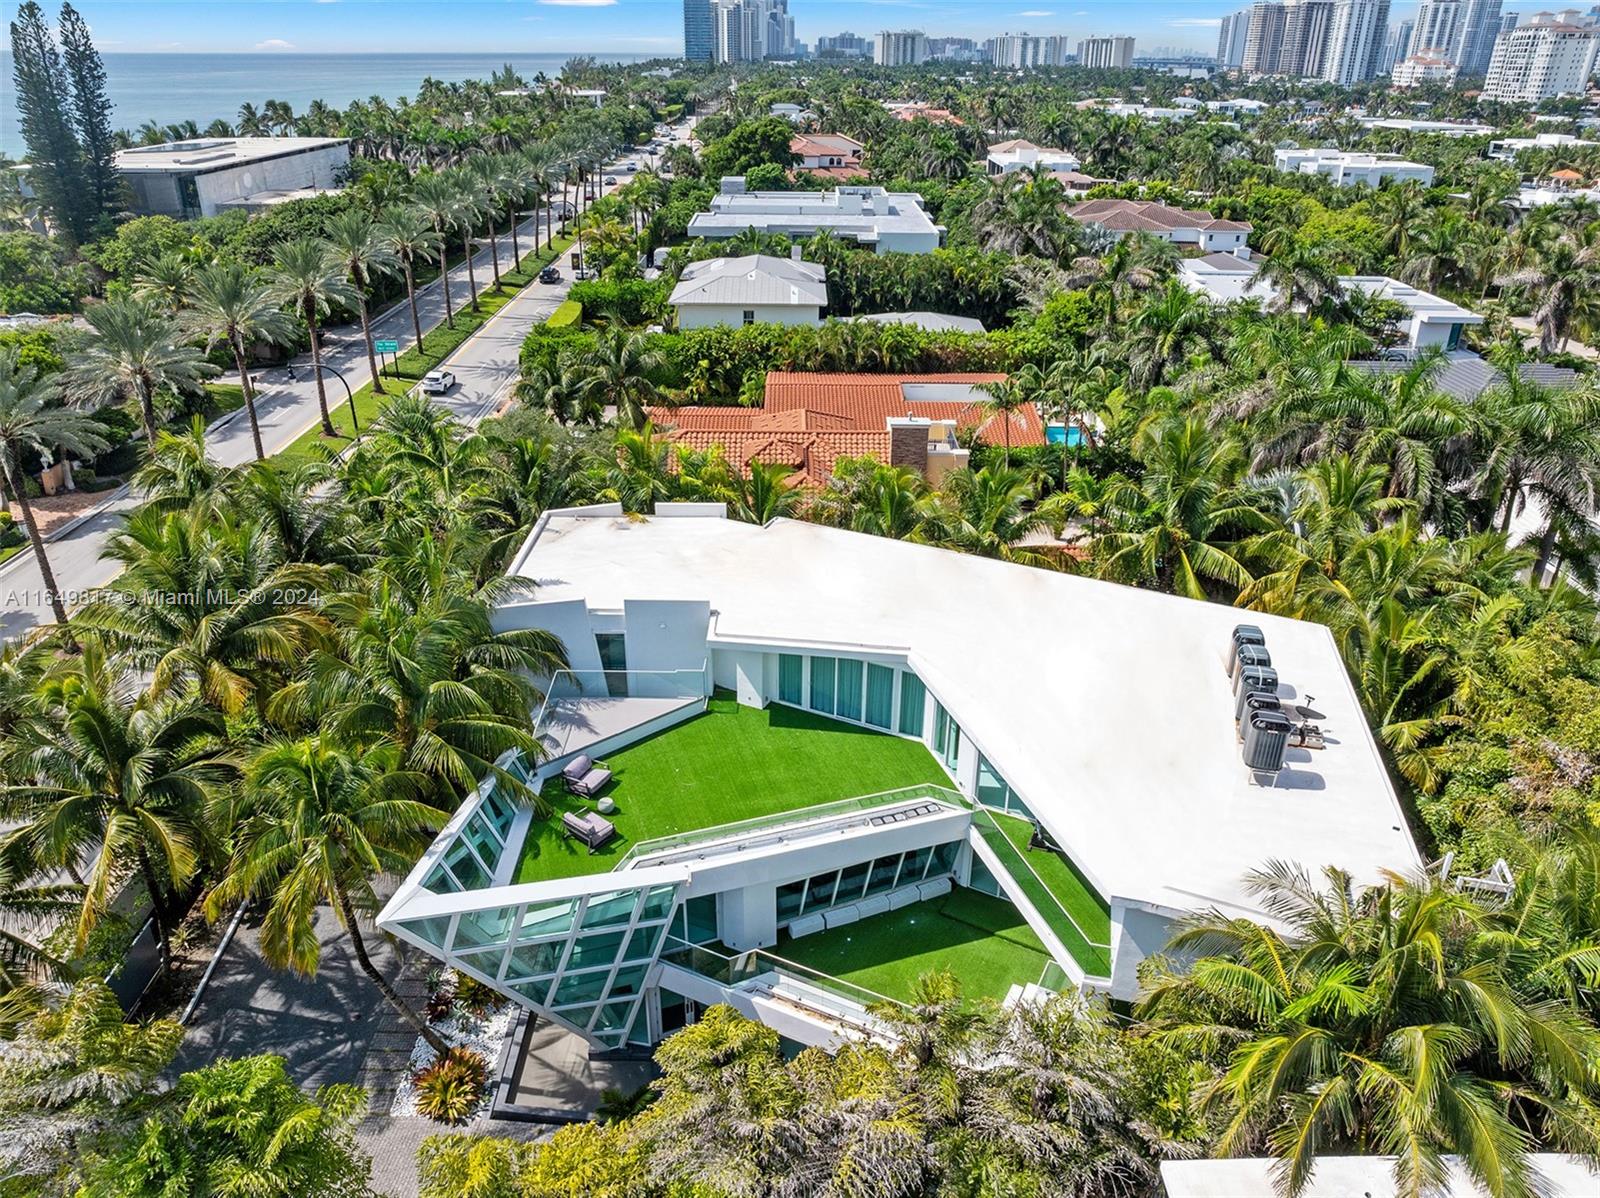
593, 830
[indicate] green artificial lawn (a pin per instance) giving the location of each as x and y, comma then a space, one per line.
983, 941
1090, 913
731, 763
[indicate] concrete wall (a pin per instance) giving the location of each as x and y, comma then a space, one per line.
568, 619
704, 316
235, 185
664, 635
745, 673
1135, 935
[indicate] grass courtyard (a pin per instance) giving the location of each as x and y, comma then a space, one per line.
730, 763
1089, 929
983, 941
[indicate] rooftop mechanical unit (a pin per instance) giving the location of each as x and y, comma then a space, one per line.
1266, 738
1243, 634
1253, 678
1249, 655
1251, 702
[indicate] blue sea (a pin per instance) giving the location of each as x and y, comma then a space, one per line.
167, 88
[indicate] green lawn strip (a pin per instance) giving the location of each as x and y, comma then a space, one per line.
1090, 925
438, 343
731, 763
11, 551
983, 941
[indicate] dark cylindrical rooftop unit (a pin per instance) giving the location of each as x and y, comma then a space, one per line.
1266, 737
1253, 700
1243, 634
1250, 655
1256, 678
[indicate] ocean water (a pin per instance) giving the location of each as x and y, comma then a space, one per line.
167, 88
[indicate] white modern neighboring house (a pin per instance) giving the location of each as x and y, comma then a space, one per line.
754, 289
1507, 148
1419, 70
1238, 106
1347, 169
1112, 738
1542, 59
1431, 322
1018, 155
887, 221
1417, 125
209, 175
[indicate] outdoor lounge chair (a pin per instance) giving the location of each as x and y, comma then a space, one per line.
591, 783
575, 769
593, 830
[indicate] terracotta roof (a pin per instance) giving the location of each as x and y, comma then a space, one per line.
811, 455
1130, 215
825, 143
832, 172
1566, 173
1016, 143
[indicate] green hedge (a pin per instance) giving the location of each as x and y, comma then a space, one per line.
568, 315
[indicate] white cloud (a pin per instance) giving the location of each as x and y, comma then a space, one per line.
580, 3
1196, 23
1036, 12
274, 43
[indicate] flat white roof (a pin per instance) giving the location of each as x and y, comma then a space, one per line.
1352, 1176
1422, 303
203, 154
861, 212
1107, 707
752, 279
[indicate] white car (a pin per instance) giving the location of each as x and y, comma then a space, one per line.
437, 382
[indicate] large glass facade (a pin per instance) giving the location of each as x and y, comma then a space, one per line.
791, 678
878, 875
946, 738
822, 677
913, 701
471, 858
994, 791
583, 959
880, 695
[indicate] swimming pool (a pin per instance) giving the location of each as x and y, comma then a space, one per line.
1060, 434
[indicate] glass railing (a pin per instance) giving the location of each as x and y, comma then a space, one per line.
768, 829
739, 969
565, 686
1093, 955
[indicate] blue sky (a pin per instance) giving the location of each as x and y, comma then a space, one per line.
624, 26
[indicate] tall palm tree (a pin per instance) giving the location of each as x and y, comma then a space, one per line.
123, 777
164, 280
353, 241
406, 233
1563, 278
323, 819
487, 171
767, 494
306, 274
228, 302
1003, 400
472, 201
617, 371
435, 197
133, 353
986, 512
30, 419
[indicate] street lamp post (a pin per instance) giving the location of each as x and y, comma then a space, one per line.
348, 394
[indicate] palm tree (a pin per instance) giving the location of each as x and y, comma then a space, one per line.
1564, 279
124, 777
30, 419
133, 353
766, 494
164, 280
985, 512
1003, 400
1297, 277
322, 820
29, 906
306, 274
617, 371
472, 202
228, 302
435, 197
487, 172
1171, 327
406, 233
353, 241
1022, 213
1376, 1020
180, 474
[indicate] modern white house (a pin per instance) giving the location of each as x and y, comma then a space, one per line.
715, 824
1181, 226
1346, 169
1018, 155
1221, 278
212, 174
1507, 148
887, 221
754, 289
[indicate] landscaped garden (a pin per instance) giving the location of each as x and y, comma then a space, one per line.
731, 763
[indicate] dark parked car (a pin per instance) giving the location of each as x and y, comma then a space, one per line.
549, 275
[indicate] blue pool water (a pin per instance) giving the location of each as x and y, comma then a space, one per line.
1060, 434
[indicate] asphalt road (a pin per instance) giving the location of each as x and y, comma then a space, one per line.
485, 367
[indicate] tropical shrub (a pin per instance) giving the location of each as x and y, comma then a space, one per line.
450, 1089
568, 315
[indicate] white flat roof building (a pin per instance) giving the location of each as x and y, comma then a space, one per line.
1347, 169
208, 175
1411, 125
1018, 155
754, 289
887, 221
1507, 148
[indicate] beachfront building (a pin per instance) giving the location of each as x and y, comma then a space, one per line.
754, 289
792, 767
1545, 58
1422, 70
1018, 155
1346, 168
886, 221
1181, 226
209, 175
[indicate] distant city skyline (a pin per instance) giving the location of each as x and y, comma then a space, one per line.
622, 26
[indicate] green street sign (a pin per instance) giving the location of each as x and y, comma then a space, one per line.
386, 347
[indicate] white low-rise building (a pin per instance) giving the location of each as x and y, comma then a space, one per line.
754, 289
1018, 155
1347, 169
1181, 226
1507, 148
1239, 106
212, 174
886, 221
1415, 125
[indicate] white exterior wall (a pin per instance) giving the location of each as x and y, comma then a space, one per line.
704, 316
234, 185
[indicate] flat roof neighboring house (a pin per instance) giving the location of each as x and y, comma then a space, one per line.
1346, 169
1018, 155
887, 221
795, 114
810, 419
754, 289
1082, 767
928, 322
1181, 226
1411, 125
830, 155
1238, 106
1349, 1176
1507, 148
208, 175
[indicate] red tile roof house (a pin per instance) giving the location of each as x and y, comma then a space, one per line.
809, 420
828, 155
1181, 226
